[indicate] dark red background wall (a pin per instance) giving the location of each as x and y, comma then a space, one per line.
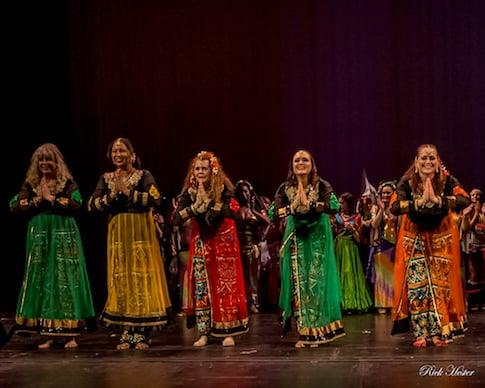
359, 83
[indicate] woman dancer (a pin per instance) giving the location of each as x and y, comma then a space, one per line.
380, 268
251, 219
214, 296
137, 289
427, 281
355, 296
310, 289
55, 298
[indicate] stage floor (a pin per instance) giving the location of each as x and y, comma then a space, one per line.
366, 357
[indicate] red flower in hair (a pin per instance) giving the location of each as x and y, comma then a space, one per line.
214, 163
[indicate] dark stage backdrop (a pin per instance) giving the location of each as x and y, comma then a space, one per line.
358, 83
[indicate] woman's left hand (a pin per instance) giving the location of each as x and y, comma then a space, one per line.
45, 192
432, 196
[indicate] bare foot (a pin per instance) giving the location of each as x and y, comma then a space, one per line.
123, 346
253, 309
420, 342
228, 341
142, 346
438, 342
46, 345
299, 344
202, 341
71, 344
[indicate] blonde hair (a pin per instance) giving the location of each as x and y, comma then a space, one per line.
217, 180
49, 151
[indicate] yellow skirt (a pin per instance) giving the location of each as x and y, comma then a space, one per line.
137, 288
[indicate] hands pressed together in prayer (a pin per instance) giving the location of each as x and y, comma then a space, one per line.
429, 198
201, 200
301, 202
45, 192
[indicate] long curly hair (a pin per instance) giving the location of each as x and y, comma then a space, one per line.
412, 175
313, 175
217, 179
51, 152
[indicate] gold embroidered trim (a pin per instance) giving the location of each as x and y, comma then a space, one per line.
154, 192
63, 201
311, 192
97, 203
231, 325
320, 332
130, 181
126, 322
184, 213
404, 205
50, 323
135, 196
144, 199
452, 327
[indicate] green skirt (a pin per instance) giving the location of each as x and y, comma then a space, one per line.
55, 298
310, 289
355, 295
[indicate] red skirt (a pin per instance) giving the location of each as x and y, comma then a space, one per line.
214, 288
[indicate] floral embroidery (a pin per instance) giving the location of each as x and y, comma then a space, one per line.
154, 192
311, 192
131, 181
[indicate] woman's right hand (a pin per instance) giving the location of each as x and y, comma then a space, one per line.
477, 207
201, 199
426, 194
45, 192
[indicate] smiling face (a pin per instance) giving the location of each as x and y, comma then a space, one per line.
475, 195
427, 161
47, 165
302, 163
202, 170
386, 193
121, 155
